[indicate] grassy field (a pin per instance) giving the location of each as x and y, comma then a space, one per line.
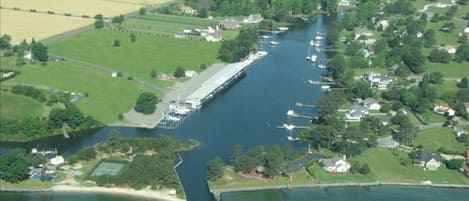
385, 167
235, 180
107, 96
108, 8
138, 58
446, 87
431, 117
15, 106
24, 25
445, 37
432, 139
452, 70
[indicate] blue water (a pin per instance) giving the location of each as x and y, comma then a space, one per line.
247, 114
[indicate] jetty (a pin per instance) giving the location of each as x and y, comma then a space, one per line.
292, 113
291, 126
300, 104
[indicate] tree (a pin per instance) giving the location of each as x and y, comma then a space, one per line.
39, 52
179, 72
245, 164
118, 19
454, 164
142, 11
99, 23
146, 103
5, 41
215, 169
133, 38
364, 169
429, 38
464, 83
14, 166
462, 53
153, 73
234, 154
116, 43
436, 78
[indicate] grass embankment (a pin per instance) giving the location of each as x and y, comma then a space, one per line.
138, 59
19, 107
432, 139
107, 96
31, 184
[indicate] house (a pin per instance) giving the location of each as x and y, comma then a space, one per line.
371, 104
229, 24
344, 3
335, 165
419, 34
252, 19
466, 30
187, 10
215, 37
114, 74
466, 106
377, 80
449, 48
459, 131
356, 112
384, 24
57, 161
362, 32
28, 55
190, 73
428, 160
442, 108
368, 41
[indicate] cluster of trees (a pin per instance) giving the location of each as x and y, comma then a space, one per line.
215, 169
118, 19
39, 51
146, 103
29, 91
99, 23
360, 168
34, 128
155, 169
439, 56
14, 166
179, 72
275, 9
240, 47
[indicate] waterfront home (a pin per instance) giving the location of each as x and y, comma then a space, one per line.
371, 104
57, 161
356, 112
448, 48
253, 19
443, 108
466, 106
362, 32
229, 24
335, 164
377, 80
428, 160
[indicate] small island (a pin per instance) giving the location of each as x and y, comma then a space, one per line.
134, 166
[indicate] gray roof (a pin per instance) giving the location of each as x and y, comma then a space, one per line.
426, 156
330, 161
369, 101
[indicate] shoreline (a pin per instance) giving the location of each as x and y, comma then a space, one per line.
146, 193
217, 193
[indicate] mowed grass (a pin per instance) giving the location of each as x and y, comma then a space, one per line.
27, 25
108, 8
432, 139
445, 37
13, 106
385, 167
232, 179
139, 58
451, 70
107, 96
431, 117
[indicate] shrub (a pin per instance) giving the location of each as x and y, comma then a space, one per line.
146, 103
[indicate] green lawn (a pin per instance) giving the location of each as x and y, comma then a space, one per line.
138, 59
446, 87
444, 37
107, 96
452, 70
385, 167
431, 117
321, 176
15, 106
235, 180
432, 139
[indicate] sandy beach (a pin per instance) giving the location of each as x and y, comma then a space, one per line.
160, 195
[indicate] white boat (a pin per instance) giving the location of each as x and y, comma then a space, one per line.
322, 66
274, 42
173, 118
283, 28
313, 58
311, 81
289, 126
266, 36
318, 37
291, 113
261, 53
290, 138
325, 87
181, 110
311, 42
317, 44
318, 49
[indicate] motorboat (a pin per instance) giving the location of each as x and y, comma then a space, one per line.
290, 138
323, 66
289, 126
274, 42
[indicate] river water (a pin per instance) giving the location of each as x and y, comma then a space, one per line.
248, 113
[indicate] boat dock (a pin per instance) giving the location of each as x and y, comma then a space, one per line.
291, 127
300, 104
292, 113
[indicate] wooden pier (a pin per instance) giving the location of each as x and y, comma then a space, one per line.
295, 127
300, 104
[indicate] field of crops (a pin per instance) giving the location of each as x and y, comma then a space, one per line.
108, 8
27, 25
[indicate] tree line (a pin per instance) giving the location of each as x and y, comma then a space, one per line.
240, 47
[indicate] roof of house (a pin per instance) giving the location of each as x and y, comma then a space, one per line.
369, 101
442, 104
426, 156
330, 161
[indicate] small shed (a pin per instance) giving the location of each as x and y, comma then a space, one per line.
190, 73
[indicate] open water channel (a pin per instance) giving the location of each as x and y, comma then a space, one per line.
248, 113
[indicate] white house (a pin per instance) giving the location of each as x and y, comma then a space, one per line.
356, 112
335, 165
28, 55
371, 104
443, 108
344, 3
362, 32
213, 37
449, 48
384, 24
57, 160
378, 80
466, 30
190, 73
428, 160
114, 74
252, 19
